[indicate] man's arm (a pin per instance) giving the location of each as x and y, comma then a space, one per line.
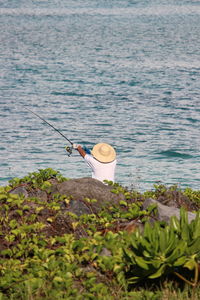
81, 151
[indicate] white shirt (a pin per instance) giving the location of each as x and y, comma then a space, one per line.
101, 171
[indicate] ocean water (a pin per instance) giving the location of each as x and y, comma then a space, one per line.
125, 72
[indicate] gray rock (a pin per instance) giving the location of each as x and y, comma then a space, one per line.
23, 190
105, 252
39, 194
87, 187
78, 190
79, 207
166, 212
20, 190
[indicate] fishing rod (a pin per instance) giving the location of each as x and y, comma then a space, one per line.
68, 149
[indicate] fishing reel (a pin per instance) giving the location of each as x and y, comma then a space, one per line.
69, 150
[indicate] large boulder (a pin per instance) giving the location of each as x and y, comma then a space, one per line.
82, 189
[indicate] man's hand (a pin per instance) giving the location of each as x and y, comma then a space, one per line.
75, 146
79, 149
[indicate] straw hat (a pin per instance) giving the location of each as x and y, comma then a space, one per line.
104, 152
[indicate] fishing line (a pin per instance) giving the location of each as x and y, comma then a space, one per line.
68, 149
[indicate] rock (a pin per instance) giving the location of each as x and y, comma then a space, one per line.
42, 195
174, 198
165, 212
88, 187
79, 190
133, 225
24, 190
79, 207
20, 190
105, 252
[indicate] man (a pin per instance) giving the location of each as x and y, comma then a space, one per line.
102, 160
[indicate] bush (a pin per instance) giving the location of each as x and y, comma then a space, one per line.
93, 256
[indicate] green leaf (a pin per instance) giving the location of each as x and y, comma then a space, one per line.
141, 262
178, 252
159, 272
13, 224
194, 247
180, 261
196, 226
163, 241
123, 203
190, 264
175, 223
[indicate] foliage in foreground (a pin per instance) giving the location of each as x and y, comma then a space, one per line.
48, 253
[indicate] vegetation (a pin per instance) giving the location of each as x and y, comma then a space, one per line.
47, 252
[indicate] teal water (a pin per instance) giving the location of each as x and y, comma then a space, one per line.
124, 72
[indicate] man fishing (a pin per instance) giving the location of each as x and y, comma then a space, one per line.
102, 160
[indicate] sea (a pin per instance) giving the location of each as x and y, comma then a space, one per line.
123, 72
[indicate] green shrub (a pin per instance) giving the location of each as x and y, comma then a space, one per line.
165, 250
94, 256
